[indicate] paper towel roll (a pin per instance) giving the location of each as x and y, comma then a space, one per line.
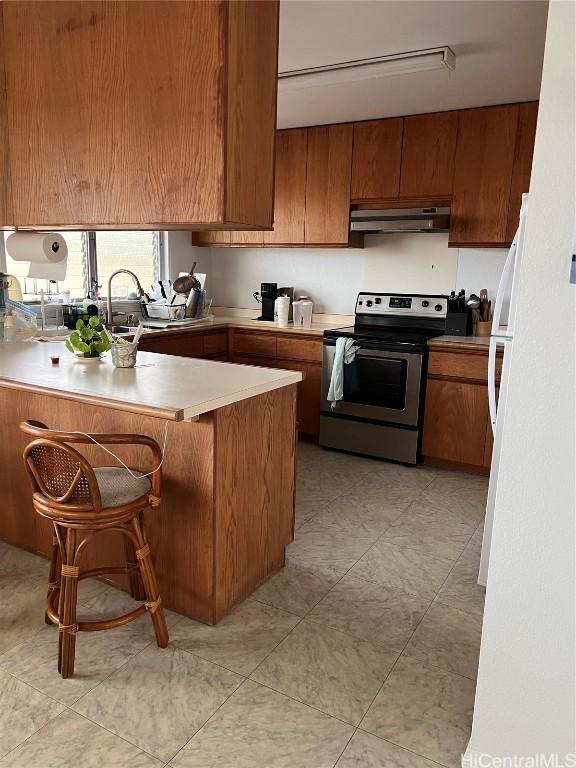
47, 253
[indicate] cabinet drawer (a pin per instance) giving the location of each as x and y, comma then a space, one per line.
181, 345
216, 343
309, 350
458, 365
255, 344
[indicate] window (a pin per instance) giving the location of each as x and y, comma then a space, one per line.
137, 251
92, 257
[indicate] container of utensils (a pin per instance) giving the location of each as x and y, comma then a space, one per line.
124, 352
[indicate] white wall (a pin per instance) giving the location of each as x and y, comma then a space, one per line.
333, 277
181, 254
525, 701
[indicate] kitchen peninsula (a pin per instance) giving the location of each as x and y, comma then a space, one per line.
228, 474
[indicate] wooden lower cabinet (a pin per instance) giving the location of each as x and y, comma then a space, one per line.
457, 429
455, 422
210, 344
293, 352
308, 401
309, 389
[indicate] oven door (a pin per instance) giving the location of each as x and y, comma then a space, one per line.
379, 385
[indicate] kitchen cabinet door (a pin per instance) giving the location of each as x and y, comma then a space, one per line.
309, 393
289, 189
455, 422
212, 238
525, 136
309, 389
483, 175
180, 345
5, 205
328, 171
254, 238
428, 149
376, 159
141, 115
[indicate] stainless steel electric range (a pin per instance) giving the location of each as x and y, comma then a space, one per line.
382, 408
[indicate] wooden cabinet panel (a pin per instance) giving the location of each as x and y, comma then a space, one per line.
251, 88
216, 343
455, 421
376, 159
181, 344
328, 170
483, 175
527, 117
309, 389
428, 149
309, 392
462, 365
253, 344
5, 204
254, 237
140, 114
458, 365
308, 350
290, 188
211, 238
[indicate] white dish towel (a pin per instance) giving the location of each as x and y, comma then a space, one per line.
345, 354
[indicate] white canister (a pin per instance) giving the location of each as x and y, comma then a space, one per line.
283, 310
303, 312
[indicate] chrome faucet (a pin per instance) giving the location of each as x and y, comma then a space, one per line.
109, 316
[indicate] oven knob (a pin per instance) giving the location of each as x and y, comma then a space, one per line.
438, 307
368, 303
378, 301
425, 303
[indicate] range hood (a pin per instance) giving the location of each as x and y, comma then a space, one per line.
396, 220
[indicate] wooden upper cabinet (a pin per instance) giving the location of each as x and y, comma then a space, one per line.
141, 114
483, 176
290, 188
5, 203
527, 117
428, 149
376, 159
328, 171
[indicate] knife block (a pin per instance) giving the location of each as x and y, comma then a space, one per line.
459, 323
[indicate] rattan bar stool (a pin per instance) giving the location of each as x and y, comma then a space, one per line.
81, 502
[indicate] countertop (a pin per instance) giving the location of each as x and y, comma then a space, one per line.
463, 342
165, 386
223, 322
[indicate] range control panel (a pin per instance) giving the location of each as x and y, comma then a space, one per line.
403, 304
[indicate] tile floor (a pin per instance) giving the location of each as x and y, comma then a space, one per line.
362, 652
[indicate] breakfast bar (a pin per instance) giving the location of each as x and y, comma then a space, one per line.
227, 510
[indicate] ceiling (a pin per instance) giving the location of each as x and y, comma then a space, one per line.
499, 47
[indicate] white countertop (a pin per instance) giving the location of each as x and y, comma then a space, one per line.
161, 385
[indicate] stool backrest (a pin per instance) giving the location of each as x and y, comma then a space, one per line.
59, 472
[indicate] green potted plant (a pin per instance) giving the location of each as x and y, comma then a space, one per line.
89, 341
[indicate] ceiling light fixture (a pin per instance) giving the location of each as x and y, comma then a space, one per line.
368, 69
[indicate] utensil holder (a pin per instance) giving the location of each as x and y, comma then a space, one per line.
483, 328
124, 355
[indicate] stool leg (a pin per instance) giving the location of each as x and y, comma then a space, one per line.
153, 601
136, 587
68, 626
54, 576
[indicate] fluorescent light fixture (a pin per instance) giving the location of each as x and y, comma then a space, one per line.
368, 69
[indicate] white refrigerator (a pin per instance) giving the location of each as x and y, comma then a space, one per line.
502, 336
